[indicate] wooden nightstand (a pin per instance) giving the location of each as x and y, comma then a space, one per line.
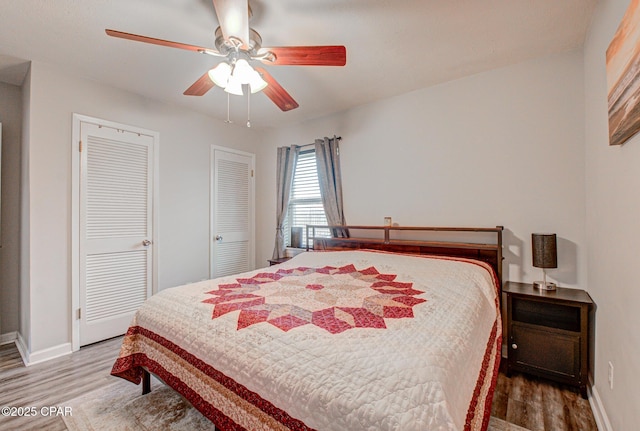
549, 333
277, 261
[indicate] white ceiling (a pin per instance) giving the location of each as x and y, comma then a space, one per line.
393, 46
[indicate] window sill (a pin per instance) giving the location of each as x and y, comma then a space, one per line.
292, 251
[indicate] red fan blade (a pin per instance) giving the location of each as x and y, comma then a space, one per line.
332, 55
276, 93
233, 17
201, 86
145, 39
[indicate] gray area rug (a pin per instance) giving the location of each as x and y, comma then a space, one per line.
120, 406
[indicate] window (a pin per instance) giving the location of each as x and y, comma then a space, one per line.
305, 203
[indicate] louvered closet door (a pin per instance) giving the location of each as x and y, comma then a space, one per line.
232, 225
116, 253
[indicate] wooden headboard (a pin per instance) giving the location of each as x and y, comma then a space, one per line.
394, 239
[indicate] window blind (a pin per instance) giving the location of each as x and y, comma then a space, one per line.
305, 203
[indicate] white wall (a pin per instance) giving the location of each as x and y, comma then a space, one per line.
613, 230
266, 197
11, 119
504, 147
185, 142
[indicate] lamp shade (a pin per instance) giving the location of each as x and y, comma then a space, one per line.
545, 252
242, 71
234, 86
257, 83
220, 74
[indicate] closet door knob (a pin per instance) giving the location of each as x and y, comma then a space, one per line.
146, 243
514, 346
218, 237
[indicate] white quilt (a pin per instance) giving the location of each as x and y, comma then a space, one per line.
350, 340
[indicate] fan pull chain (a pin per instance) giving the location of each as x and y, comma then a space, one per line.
228, 121
249, 108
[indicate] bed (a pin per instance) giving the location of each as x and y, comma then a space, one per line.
354, 337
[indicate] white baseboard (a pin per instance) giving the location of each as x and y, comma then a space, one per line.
49, 353
22, 348
41, 355
8, 338
599, 413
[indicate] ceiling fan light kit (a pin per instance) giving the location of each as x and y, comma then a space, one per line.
232, 77
240, 45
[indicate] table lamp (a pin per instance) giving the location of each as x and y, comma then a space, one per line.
545, 255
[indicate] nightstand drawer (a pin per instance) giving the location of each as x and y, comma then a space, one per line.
543, 351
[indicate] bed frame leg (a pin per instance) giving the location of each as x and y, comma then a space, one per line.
146, 382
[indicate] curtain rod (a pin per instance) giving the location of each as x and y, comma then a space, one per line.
339, 138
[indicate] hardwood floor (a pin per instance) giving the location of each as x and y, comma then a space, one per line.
52, 383
541, 405
531, 403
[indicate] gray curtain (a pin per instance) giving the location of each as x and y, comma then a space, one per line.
330, 179
286, 163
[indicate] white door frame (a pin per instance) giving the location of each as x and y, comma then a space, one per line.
252, 211
75, 212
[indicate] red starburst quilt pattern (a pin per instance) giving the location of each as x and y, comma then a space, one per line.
333, 298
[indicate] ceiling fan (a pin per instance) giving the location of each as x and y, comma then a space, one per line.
239, 45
